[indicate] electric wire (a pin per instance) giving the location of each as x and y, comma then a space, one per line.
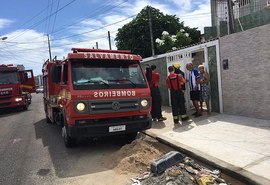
49, 19
44, 19
93, 14
55, 16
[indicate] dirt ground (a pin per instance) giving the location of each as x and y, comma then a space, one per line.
133, 158
130, 161
122, 164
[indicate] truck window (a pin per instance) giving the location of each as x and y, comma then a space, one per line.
104, 74
29, 74
9, 78
65, 73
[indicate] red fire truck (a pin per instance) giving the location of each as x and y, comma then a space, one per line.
16, 86
94, 93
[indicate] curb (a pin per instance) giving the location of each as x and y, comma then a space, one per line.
236, 172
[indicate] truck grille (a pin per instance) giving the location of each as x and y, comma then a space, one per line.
4, 92
116, 105
4, 104
5, 98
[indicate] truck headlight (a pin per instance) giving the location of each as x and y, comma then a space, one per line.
144, 103
18, 99
80, 106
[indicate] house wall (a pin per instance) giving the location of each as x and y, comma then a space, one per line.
253, 15
246, 84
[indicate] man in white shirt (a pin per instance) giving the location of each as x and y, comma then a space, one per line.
194, 86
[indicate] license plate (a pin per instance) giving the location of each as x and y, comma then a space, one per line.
117, 128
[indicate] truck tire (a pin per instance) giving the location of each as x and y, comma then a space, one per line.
25, 107
130, 137
68, 141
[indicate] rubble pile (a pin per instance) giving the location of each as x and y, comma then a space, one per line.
187, 172
135, 157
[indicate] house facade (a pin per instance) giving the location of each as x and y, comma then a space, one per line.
232, 16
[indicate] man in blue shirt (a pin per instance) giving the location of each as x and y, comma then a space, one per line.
194, 86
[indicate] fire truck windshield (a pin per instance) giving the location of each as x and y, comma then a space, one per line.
104, 74
8, 78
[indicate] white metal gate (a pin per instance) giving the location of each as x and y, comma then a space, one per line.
184, 56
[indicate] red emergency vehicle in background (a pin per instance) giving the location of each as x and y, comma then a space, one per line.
95, 93
16, 86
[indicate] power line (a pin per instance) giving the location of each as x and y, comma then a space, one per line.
35, 16
41, 21
83, 33
93, 14
49, 20
55, 15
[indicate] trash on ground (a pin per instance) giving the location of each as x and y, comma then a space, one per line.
185, 171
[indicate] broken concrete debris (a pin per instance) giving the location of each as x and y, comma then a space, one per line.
174, 168
167, 160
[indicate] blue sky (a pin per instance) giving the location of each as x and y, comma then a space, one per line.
77, 23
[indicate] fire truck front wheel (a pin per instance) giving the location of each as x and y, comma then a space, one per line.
69, 141
25, 107
130, 137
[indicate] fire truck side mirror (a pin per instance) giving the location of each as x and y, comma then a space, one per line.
25, 76
56, 73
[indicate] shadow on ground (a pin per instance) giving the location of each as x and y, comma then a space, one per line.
87, 158
11, 111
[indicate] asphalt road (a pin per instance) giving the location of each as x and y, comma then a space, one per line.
32, 152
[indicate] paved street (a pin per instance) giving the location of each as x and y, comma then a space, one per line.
32, 152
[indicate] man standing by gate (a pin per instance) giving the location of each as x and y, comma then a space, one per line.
156, 96
174, 83
194, 86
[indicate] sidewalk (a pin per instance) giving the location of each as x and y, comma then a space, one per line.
235, 144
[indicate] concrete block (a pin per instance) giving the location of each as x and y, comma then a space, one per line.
166, 161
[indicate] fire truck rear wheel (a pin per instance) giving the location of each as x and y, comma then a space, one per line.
69, 141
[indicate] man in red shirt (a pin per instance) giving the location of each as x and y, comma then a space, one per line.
156, 96
175, 83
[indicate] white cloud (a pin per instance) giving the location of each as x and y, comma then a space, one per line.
200, 17
30, 49
182, 5
33, 54
181, 8
4, 23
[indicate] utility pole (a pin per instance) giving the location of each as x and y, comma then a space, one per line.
96, 45
109, 37
151, 31
49, 45
231, 17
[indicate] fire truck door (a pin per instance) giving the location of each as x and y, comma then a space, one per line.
27, 81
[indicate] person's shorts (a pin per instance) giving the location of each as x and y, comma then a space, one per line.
195, 95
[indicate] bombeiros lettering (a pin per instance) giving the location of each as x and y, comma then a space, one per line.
104, 94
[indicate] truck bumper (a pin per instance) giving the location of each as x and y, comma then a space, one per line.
105, 127
5, 105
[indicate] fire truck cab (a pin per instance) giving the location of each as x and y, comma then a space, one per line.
94, 93
16, 86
